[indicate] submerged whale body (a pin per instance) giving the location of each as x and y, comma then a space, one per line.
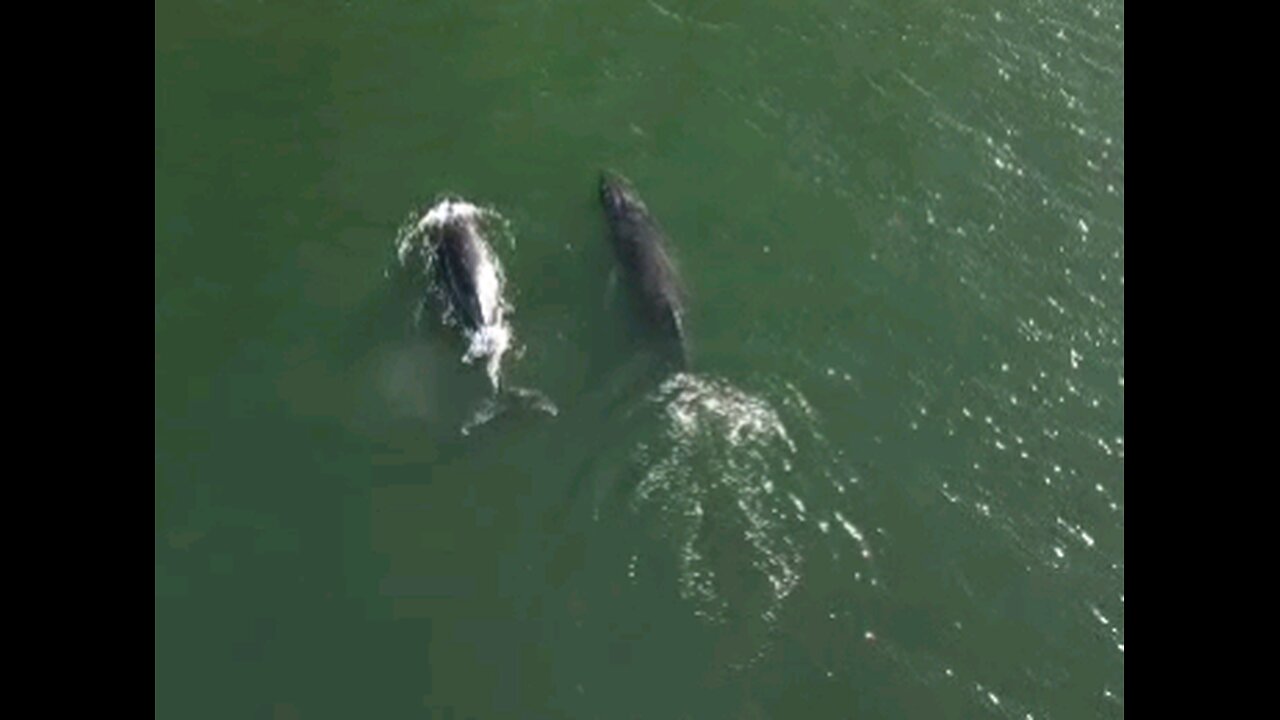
641, 247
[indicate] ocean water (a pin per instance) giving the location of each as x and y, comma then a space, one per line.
890, 484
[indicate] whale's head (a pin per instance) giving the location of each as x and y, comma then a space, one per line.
617, 194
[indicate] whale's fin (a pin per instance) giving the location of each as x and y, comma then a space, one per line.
611, 287
679, 338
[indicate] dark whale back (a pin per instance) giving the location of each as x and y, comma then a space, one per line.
641, 247
462, 259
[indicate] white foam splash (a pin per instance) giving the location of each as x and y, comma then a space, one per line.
490, 343
451, 209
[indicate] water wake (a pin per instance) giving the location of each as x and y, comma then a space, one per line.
710, 480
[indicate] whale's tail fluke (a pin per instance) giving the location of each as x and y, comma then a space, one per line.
510, 399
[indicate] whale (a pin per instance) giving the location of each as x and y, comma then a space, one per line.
469, 273
448, 246
469, 280
643, 253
